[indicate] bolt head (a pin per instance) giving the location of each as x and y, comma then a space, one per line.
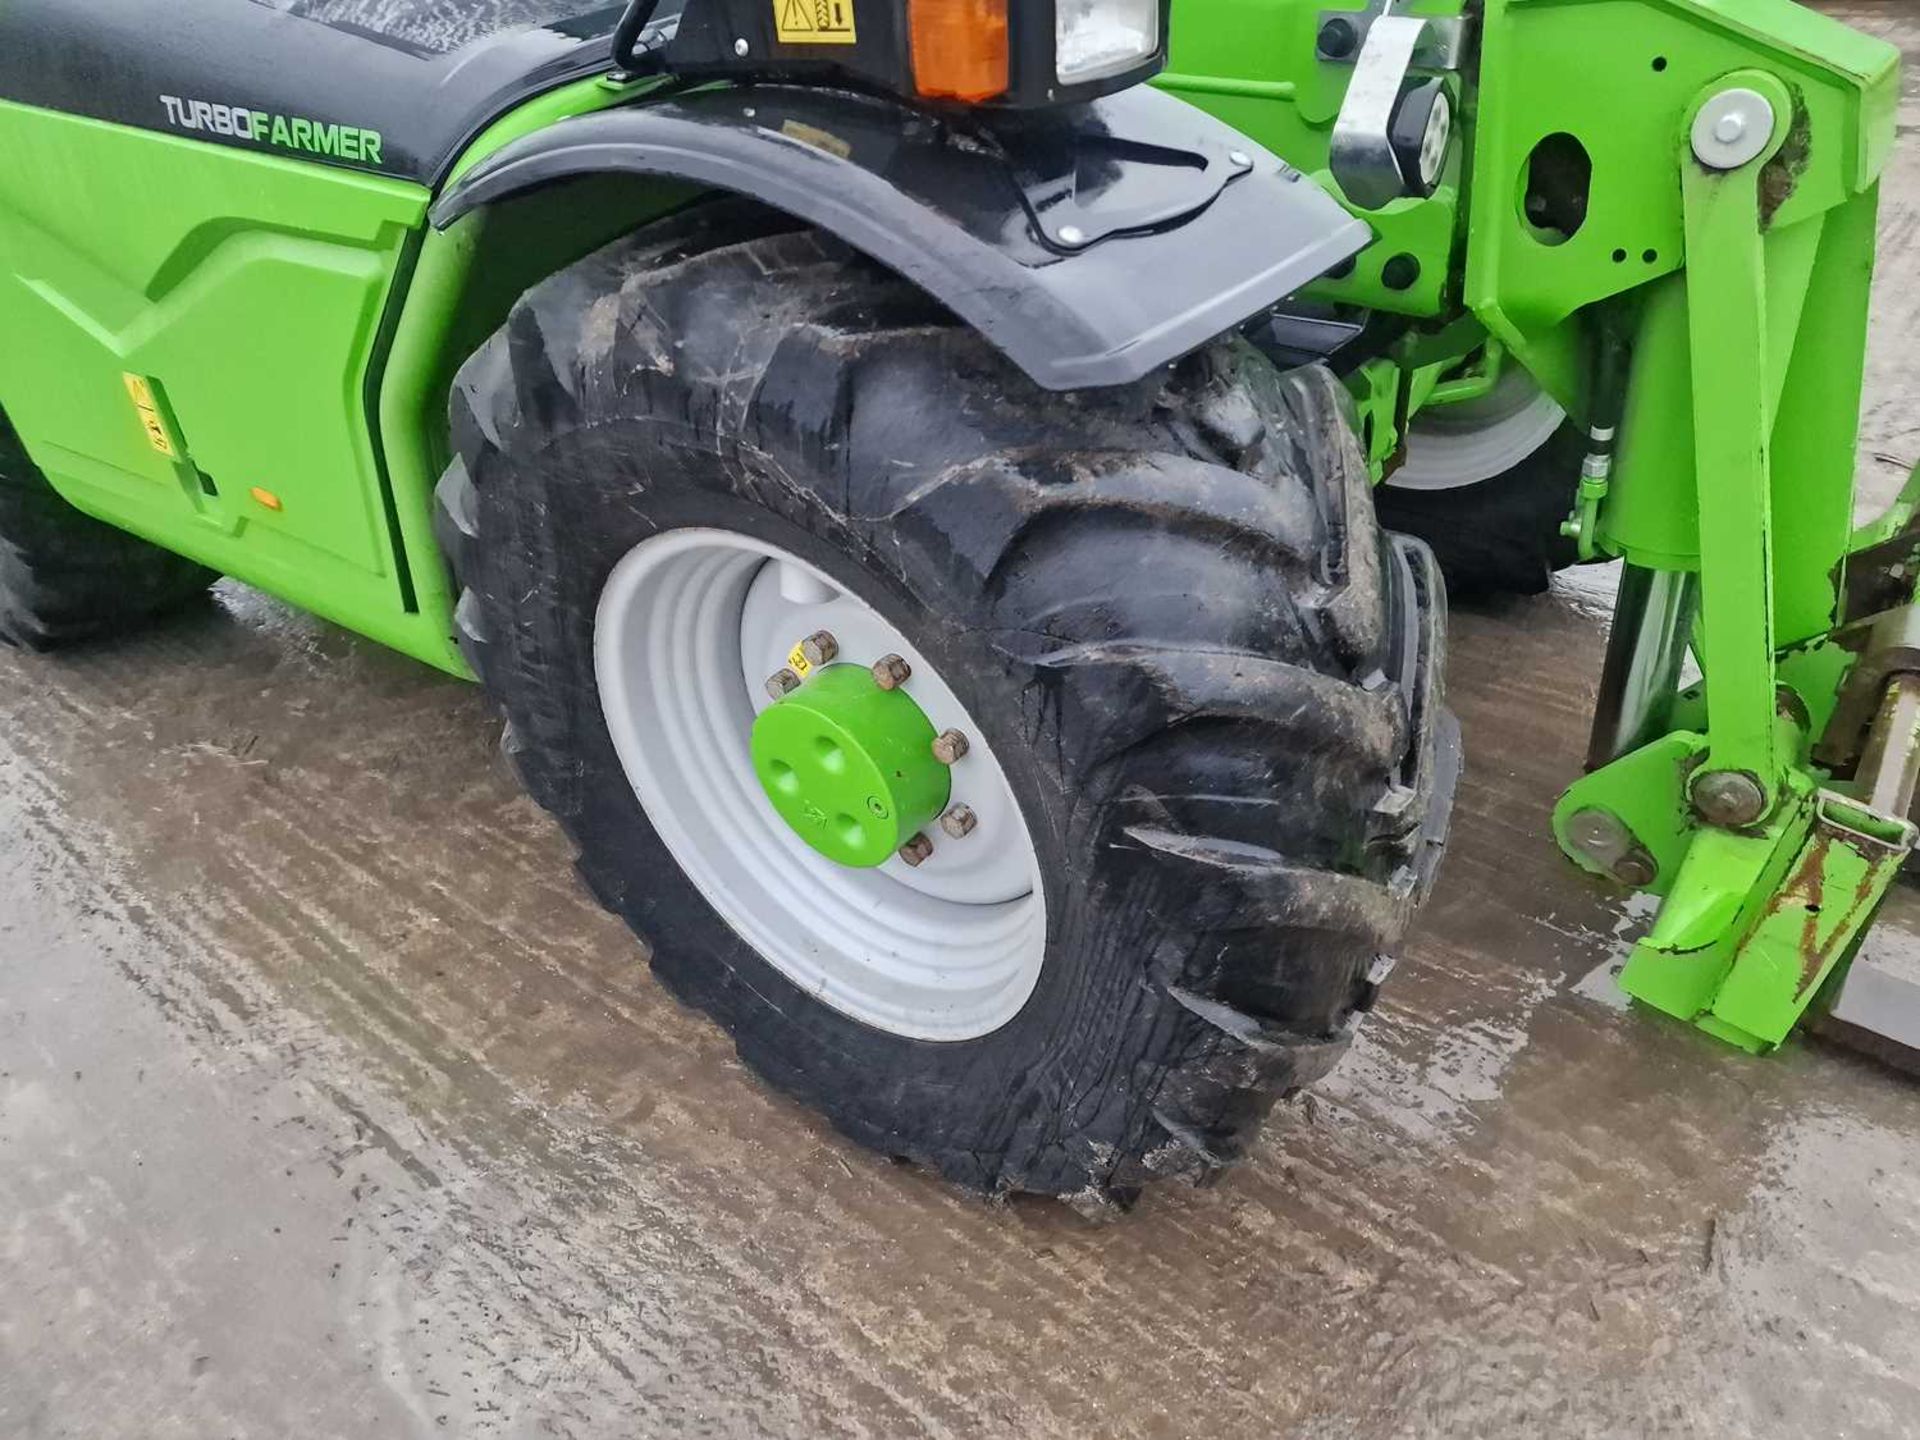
959, 821
740, 47
950, 746
1239, 159
1727, 797
1071, 235
1337, 39
820, 648
1598, 834
1635, 869
917, 851
781, 684
890, 672
1732, 128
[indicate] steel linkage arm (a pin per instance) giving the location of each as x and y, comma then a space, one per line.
1771, 867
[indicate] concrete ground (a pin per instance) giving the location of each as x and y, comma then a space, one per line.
330, 1107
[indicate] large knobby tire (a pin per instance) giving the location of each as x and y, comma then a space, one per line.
66, 577
1495, 528
1210, 679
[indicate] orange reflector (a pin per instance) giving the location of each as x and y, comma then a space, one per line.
267, 499
960, 48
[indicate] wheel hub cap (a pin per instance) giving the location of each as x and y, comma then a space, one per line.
849, 766
689, 628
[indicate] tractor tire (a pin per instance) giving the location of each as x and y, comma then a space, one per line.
1499, 532
66, 577
1212, 681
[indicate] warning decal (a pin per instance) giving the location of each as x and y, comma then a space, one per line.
814, 22
148, 409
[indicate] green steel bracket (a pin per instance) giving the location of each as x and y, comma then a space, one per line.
1473, 380
1376, 388
1728, 336
1450, 363
1811, 922
1756, 920
1281, 92
1629, 821
1896, 520
1769, 872
1583, 526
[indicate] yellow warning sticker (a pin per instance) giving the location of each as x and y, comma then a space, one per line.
798, 662
148, 409
816, 137
814, 22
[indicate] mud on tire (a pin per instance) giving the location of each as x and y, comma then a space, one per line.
1209, 676
66, 577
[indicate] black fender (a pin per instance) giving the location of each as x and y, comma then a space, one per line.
1092, 244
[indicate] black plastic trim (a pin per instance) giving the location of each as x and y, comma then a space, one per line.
948, 211
114, 60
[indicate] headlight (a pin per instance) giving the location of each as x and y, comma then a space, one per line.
1097, 38
995, 54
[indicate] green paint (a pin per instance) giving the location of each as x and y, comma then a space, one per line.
1280, 95
132, 250
1727, 344
253, 288
850, 766
1748, 324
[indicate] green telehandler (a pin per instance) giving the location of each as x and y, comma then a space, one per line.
909, 483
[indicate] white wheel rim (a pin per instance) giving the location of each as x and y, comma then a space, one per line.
1465, 443
690, 625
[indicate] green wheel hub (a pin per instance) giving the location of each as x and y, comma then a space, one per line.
850, 766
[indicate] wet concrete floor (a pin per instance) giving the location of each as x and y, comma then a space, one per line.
330, 1107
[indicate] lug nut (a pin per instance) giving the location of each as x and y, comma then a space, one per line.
781, 684
1727, 797
959, 821
820, 648
917, 851
890, 672
949, 747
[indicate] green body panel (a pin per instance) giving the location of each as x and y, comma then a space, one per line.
463, 283
252, 290
278, 309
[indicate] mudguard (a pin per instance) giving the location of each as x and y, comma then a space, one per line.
1091, 244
